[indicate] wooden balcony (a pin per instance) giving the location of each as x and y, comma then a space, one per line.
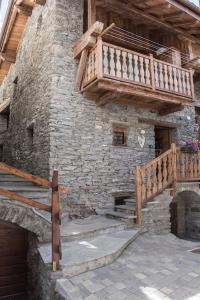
119, 75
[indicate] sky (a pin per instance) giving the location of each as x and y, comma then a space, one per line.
4, 4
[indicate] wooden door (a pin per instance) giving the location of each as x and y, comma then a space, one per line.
13, 262
163, 139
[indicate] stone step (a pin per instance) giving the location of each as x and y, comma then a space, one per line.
89, 227
129, 209
88, 254
120, 215
130, 201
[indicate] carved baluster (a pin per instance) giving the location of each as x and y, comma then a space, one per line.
149, 183
105, 60
160, 183
183, 82
147, 71
156, 74
124, 65
143, 186
196, 165
130, 66
180, 89
198, 155
161, 75
171, 84
166, 79
188, 85
164, 171
175, 80
136, 69
155, 182
112, 62
118, 64
141, 60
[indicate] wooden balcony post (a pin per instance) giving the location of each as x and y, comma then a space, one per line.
152, 72
192, 83
91, 12
56, 242
174, 167
99, 58
138, 186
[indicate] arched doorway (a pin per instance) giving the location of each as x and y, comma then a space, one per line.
13, 262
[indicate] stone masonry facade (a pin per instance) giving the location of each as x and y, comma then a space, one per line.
70, 133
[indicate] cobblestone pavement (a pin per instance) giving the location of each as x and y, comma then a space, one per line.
152, 268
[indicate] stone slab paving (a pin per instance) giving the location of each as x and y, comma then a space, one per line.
152, 268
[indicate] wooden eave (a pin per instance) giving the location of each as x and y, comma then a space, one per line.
170, 15
16, 18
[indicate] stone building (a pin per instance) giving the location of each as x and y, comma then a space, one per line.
95, 113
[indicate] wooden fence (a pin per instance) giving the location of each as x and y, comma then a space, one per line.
53, 209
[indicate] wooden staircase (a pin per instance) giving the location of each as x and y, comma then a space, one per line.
163, 172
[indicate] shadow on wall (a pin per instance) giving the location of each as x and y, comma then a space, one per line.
185, 215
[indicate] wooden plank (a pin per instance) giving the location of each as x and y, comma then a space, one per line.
81, 69
158, 123
56, 240
13, 196
88, 39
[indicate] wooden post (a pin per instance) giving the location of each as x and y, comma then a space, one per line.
138, 186
174, 169
99, 56
81, 69
152, 72
56, 242
91, 12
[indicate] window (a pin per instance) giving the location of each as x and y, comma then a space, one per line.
119, 136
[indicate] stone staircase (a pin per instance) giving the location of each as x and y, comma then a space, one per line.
124, 211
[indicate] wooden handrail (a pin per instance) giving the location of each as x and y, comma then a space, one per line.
54, 208
32, 178
166, 170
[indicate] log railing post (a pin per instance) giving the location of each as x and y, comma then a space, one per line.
153, 84
174, 167
56, 242
138, 186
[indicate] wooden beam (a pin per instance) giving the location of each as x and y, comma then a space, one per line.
24, 9
91, 12
89, 39
8, 58
169, 109
130, 12
81, 69
143, 92
184, 8
158, 123
107, 97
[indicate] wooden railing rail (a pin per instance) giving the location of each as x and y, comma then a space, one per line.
153, 178
54, 208
109, 61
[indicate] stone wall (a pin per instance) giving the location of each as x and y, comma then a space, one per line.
81, 132
28, 85
71, 133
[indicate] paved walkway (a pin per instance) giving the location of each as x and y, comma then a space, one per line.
152, 268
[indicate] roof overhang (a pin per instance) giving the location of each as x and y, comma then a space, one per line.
15, 21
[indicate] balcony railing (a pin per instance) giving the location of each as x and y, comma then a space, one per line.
116, 63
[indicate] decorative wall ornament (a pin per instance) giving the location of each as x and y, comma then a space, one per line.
141, 138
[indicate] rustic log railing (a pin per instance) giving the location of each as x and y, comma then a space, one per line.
108, 61
54, 208
164, 171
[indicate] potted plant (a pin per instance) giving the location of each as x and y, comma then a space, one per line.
191, 146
